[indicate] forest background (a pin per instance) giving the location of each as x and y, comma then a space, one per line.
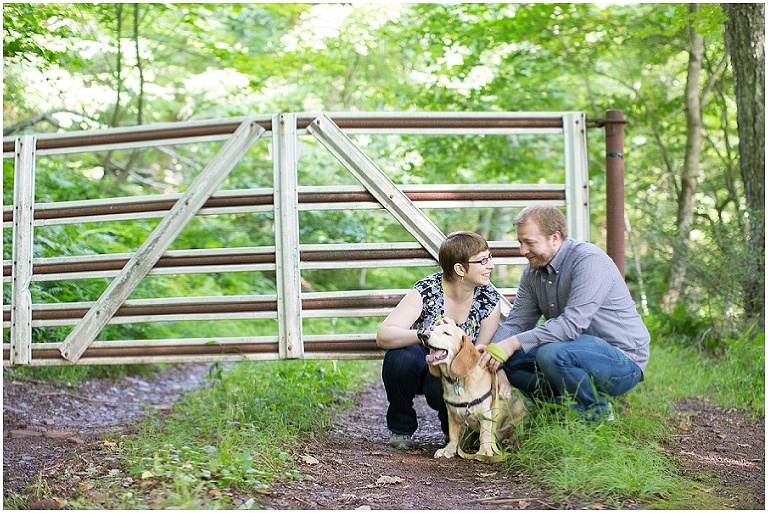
688, 77
694, 208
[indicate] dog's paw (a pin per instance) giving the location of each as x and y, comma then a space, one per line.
449, 451
486, 450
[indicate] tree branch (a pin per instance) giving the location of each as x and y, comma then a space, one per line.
43, 116
713, 80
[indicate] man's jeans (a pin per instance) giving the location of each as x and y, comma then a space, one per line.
405, 374
582, 370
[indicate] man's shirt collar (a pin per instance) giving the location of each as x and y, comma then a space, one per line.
556, 263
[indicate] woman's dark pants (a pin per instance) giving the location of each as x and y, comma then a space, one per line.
405, 374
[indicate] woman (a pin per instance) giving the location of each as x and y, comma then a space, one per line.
461, 292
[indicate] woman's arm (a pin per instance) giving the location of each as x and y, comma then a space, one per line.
395, 331
488, 326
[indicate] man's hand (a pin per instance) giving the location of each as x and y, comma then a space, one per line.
498, 354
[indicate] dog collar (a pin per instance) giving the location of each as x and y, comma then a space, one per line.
452, 381
458, 383
472, 403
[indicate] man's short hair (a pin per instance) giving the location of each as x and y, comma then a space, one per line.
548, 218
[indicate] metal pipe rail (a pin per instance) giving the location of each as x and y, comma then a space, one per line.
314, 305
173, 133
309, 198
231, 306
326, 256
202, 350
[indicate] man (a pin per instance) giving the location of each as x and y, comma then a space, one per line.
592, 342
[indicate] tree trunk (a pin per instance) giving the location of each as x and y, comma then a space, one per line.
745, 39
690, 175
109, 168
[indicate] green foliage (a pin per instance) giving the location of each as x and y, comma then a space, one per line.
27, 27
201, 61
682, 325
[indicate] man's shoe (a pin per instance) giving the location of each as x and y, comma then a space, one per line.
604, 416
401, 442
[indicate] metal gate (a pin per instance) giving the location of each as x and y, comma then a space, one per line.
288, 306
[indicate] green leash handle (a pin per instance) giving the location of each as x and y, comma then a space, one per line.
496, 352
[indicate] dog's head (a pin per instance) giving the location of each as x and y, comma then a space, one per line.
449, 345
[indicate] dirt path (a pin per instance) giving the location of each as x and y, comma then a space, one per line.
354, 468
53, 437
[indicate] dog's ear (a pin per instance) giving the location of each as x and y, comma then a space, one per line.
434, 370
467, 357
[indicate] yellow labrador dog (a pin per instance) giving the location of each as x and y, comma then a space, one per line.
470, 393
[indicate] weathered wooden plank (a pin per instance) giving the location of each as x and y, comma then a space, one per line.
386, 192
160, 239
377, 183
287, 257
23, 241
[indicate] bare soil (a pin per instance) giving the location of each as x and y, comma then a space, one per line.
57, 442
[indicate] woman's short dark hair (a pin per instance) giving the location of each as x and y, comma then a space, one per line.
458, 248
549, 219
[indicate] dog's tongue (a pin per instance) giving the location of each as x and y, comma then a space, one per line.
440, 354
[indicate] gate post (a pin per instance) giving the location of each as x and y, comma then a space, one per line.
576, 175
285, 148
614, 186
23, 243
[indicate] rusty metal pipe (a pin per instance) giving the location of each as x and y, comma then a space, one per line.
260, 306
229, 126
614, 170
304, 198
236, 259
119, 263
208, 349
150, 134
212, 349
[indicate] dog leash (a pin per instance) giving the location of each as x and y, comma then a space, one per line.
498, 455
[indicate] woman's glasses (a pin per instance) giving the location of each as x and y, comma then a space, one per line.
483, 261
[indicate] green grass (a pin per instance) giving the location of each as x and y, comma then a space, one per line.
610, 463
736, 379
623, 462
239, 434
70, 375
